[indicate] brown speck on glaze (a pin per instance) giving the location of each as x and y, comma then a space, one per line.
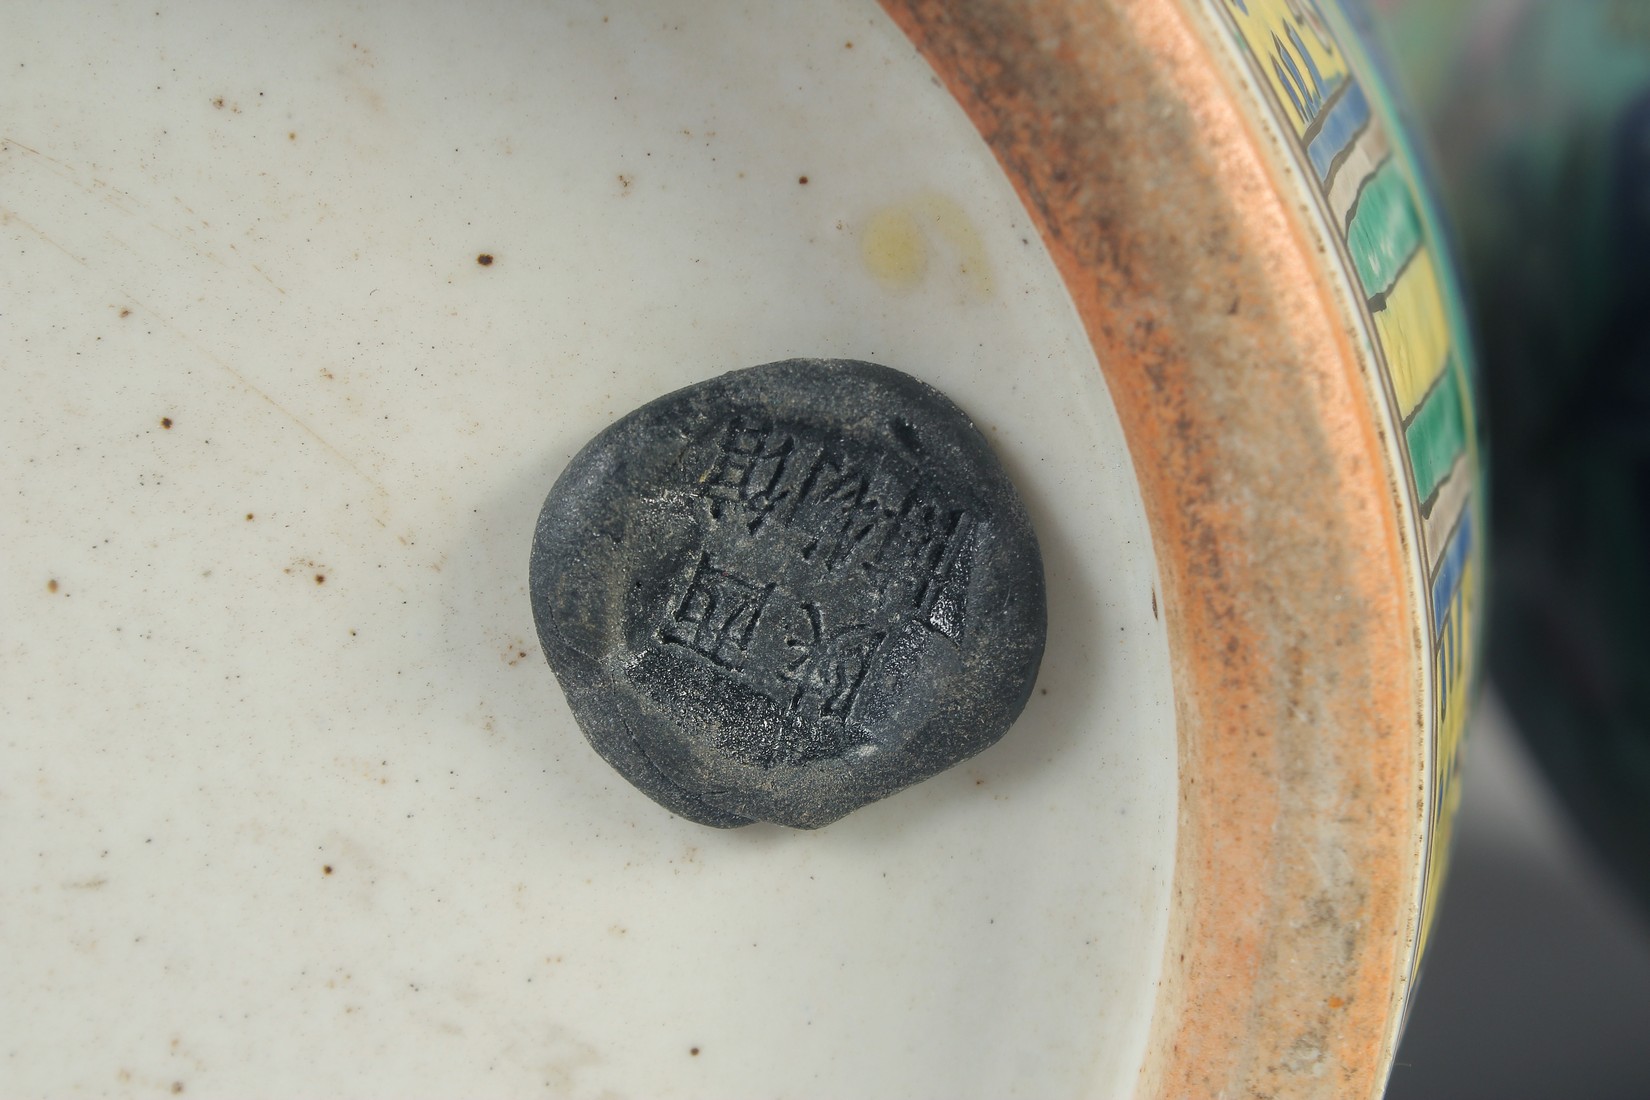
320, 578
326, 869
803, 180
249, 517
126, 312
166, 422
694, 1051
177, 1086
292, 135
485, 259
51, 585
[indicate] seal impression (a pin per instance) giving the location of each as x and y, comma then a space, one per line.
786, 592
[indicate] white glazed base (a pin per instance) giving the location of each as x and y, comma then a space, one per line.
262, 223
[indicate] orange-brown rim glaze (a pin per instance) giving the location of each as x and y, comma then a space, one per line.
1297, 661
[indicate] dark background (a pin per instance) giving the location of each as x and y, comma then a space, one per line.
1537, 986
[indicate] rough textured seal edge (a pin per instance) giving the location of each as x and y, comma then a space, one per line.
1297, 652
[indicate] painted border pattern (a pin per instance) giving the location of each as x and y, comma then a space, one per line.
1349, 142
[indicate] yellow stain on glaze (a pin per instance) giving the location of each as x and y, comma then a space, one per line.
894, 248
900, 244
1414, 332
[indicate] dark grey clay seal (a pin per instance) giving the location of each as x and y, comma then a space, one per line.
789, 591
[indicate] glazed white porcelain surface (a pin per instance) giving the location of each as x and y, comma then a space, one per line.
289, 801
